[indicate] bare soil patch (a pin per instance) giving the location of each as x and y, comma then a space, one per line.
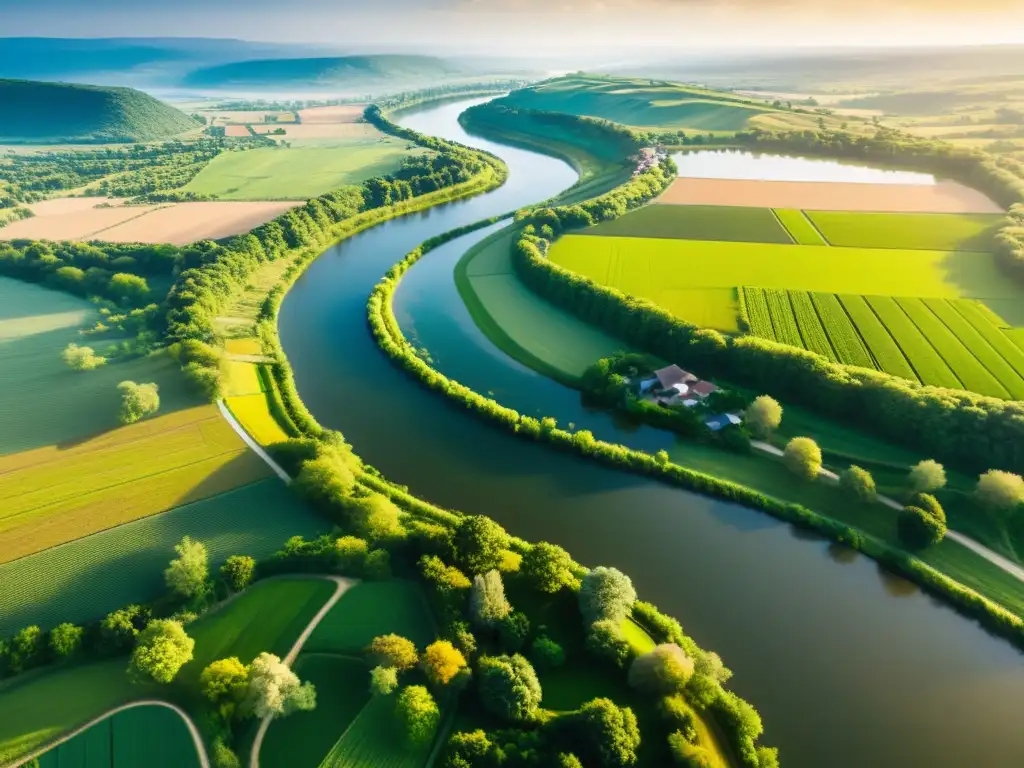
943, 197
184, 223
72, 218
345, 113
236, 130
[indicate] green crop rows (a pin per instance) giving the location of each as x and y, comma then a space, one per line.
885, 350
811, 330
799, 226
89, 577
371, 741
929, 365
848, 344
758, 316
786, 329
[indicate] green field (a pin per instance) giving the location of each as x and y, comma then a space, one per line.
695, 279
944, 342
925, 231
45, 403
643, 103
89, 577
373, 608
154, 737
371, 741
303, 739
799, 227
519, 322
696, 222
297, 172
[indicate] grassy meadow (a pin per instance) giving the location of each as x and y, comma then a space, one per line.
800, 228
925, 231
697, 222
373, 608
93, 575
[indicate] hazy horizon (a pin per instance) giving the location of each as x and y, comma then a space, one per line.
535, 27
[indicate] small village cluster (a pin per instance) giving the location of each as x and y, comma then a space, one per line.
672, 386
649, 157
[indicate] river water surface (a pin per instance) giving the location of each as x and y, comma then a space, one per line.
847, 665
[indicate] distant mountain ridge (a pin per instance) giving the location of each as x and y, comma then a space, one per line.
330, 70
40, 112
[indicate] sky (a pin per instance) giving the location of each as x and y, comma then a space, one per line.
532, 26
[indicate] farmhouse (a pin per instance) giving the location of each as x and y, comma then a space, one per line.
667, 378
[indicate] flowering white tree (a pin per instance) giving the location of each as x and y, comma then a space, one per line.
274, 690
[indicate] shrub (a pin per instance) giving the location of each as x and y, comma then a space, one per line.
1000, 490
606, 641
547, 568
508, 687
919, 529
66, 640
187, 573
604, 734
274, 689
710, 663
375, 518
26, 649
119, 628
567, 760
665, 669
441, 662
763, 416
237, 571
677, 713
467, 749
223, 756
137, 401
859, 483
383, 681
351, 552
931, 505
606, 593
162, 649
378, 564
479, 543
327, 481
129, 289
925, 476
803, 457
546, 653
487, 603
224, 679
702, 691
417, 714
393, 651
81, 358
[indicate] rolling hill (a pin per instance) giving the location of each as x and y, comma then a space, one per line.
37, 112
335, 71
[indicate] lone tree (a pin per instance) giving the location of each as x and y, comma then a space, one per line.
81, 358
393, 651
383, 681
137, 401
763, 416
487, 602
803, 457
663, 670
238, 571
547, 568
509, 687
417, 715
859, 483
224, 679
274, 690
188, 572
66, 640
604, 734
919, 528
606, 593
1000, 490
926, 476
162, 649
441, 662
479, 544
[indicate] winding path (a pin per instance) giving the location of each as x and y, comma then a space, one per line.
248, 440
343, 585
977, 547
197, 739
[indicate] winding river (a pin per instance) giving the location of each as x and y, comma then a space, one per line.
848, 666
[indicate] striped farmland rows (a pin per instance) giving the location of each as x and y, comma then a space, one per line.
1002, 341
799, 226
986, 343
758, 316
1016, 335
885, 350
848, 345
811, 330
783, 319
964, 365
929, 365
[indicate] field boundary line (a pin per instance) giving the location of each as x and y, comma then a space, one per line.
343, 585
779, 221
249, 441
898, 301
197, 739
814, 226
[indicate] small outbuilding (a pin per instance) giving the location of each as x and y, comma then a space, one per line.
702, 389
720, 421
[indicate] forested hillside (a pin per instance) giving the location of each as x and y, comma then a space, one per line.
54, 112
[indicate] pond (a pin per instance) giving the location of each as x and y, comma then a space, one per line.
740, 164
848, 666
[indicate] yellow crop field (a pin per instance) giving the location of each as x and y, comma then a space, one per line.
254, 415
241, 379
56, 494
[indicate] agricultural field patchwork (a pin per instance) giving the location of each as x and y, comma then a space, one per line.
371, 741
942, 342
153, 736
800, 228
927, 231
697, 222
93, 575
